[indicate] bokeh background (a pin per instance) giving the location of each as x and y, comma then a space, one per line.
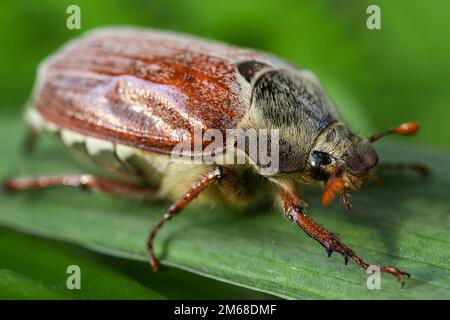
378, 78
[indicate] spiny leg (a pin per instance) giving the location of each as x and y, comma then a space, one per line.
200, 185
414, 166
294, 209
83, 181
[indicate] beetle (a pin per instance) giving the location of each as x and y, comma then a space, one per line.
124, 98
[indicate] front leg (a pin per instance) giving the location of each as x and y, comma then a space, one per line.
294, 208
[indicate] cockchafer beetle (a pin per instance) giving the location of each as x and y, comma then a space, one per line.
121, 95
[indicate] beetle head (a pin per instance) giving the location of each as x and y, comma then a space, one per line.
339, 153
343, 160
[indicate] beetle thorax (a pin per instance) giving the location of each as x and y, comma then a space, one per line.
296, 106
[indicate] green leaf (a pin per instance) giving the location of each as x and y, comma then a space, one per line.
403, 221
35, 268
18, 286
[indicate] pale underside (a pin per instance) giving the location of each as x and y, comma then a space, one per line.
169, 177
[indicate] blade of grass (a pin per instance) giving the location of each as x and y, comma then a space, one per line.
403, 221
35, 268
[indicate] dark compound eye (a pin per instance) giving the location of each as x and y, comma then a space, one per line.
319, 158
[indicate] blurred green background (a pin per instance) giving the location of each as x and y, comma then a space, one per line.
378, 78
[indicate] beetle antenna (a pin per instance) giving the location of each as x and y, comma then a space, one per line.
405, 129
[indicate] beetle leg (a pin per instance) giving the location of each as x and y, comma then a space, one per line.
29, 140
294, 210
200, 185
83, 181
420, 168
